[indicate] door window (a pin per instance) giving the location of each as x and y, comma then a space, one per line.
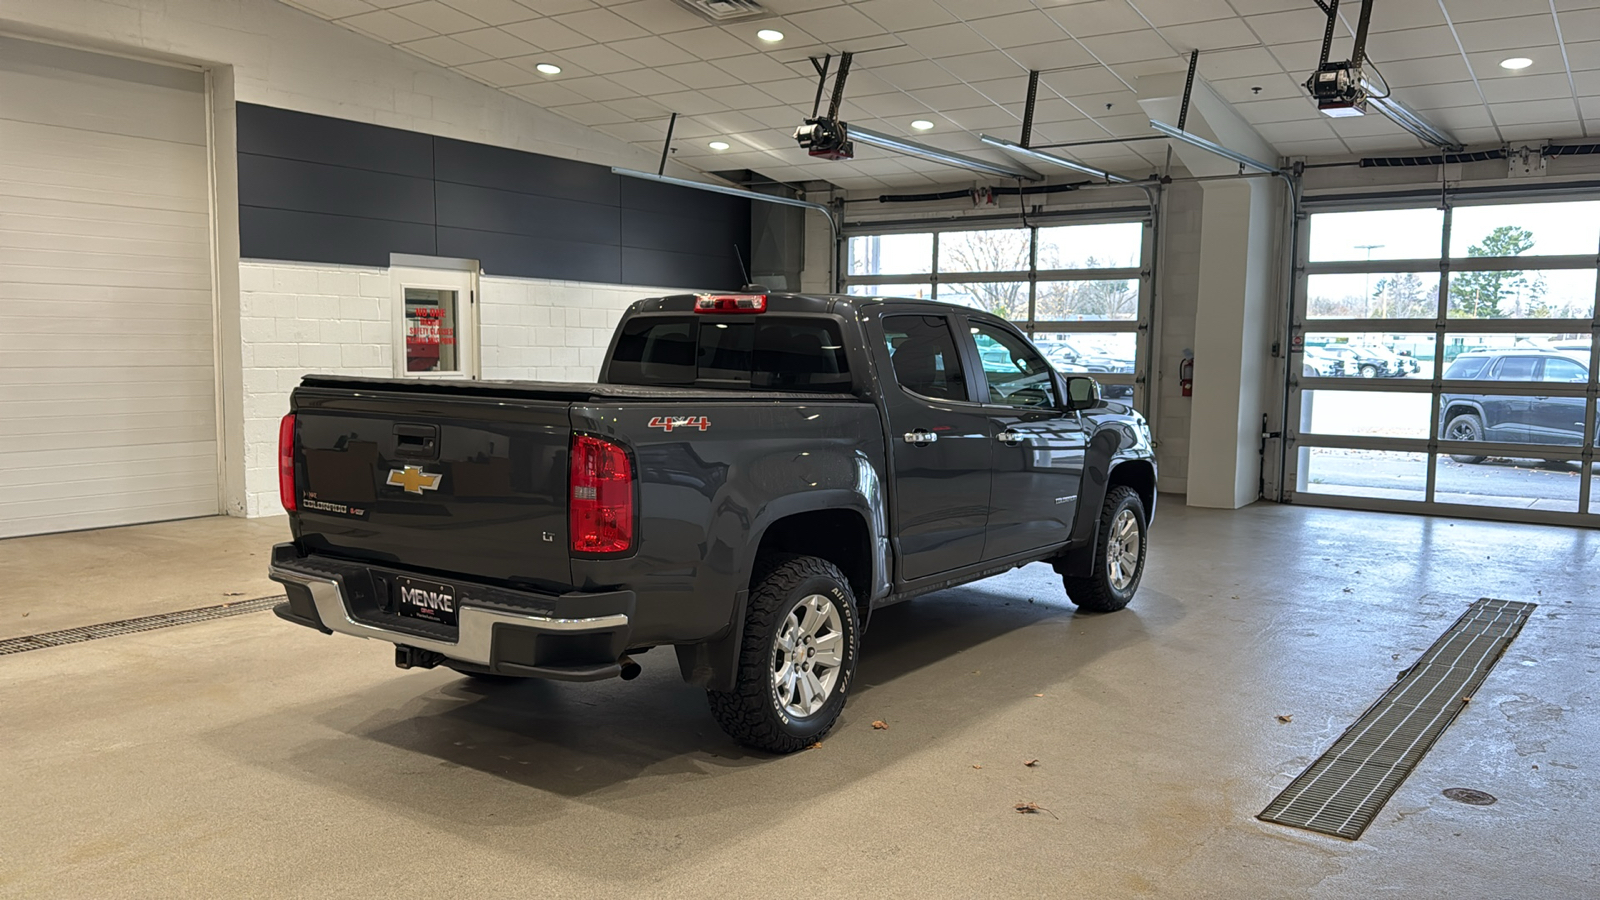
431, 331
435, 333
924, 356
1564, 370
1017, 375
1517, 368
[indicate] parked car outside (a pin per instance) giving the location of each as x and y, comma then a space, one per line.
1519, 418
1367, 362
1069, 358
1318, 364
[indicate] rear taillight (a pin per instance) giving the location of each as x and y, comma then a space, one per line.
730, 303
600, 509
286, 491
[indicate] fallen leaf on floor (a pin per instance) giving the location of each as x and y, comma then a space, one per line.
1030, 763
1286, 719
1038, 695
24, 615
976, 766
1027, 808
233, 593
816, 746
880, 724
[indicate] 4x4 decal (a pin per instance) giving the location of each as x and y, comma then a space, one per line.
667, 423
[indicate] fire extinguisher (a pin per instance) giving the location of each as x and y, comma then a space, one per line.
1186, 373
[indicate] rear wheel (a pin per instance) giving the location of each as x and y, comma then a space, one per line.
797, 658
1119, 558
1369, 371
1465, 427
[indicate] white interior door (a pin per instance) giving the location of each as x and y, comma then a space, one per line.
107, 384
436, 323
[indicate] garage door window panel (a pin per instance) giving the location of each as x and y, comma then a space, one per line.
1095, 300
890, 254
1111, 245
1006, 299
990, 250
1530, 484
1522, 293
1378, 474
1385, 234
1366, 295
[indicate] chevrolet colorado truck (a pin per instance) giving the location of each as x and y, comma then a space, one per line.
751, 477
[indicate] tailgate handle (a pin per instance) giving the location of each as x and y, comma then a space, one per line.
416, 441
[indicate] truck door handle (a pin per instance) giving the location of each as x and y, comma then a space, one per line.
1011, 438
921, 438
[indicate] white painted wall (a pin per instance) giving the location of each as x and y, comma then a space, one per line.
299, 319
1179, 274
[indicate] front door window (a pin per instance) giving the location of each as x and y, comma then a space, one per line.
431, 330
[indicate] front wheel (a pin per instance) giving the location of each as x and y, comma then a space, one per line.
797, 658
1119, 557
1369, 371
1465, 427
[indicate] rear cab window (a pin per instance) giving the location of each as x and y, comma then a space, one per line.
759, 352
923, 353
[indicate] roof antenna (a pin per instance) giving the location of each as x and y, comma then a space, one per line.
750, 287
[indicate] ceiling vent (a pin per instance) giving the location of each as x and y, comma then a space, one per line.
724, 11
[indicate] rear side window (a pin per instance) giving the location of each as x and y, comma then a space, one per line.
743, 353
923, 352
1466, 367
1564, 370
1517, 368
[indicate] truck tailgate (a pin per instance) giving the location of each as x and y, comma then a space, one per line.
448, 484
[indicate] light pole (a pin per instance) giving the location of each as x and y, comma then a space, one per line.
1366, 280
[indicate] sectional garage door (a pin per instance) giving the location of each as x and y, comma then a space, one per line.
107, 397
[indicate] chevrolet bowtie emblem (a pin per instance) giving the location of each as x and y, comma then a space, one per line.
413, 479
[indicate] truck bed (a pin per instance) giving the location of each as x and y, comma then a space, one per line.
568, 392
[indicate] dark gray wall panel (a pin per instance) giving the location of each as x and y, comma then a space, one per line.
487, 209
528, 257
662, 268
286, 134
319, 237
267, 181
317, 189
461, 162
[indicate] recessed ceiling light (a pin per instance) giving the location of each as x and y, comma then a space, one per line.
770, 35
921, 124
1516, 62
548, 68
719, 145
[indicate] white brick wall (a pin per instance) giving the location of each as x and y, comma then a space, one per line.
302, 318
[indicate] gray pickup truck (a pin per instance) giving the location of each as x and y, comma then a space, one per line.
750, 478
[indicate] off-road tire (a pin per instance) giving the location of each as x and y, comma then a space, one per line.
1097, 593
751, 713
1470, 428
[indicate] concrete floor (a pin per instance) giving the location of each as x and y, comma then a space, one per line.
248, 757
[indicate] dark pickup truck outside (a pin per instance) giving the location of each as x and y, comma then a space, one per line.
750, 478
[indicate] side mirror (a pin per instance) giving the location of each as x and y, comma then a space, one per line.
1082, 393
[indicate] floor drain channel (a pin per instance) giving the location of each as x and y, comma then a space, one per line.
1341, 793
130, 626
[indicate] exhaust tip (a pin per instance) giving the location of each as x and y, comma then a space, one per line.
630, 669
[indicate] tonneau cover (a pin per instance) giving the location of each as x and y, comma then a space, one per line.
558, 390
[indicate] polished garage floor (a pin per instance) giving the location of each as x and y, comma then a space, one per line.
248, 757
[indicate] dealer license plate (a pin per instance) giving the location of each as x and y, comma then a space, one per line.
430, 601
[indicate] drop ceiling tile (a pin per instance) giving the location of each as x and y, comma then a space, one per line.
530, 63
1217, 35
1050, 109
1273, 87
688, 103
1299, 25
657, 17
445, 51
996, 120
591, 114
710, 44
387, 27
1162, 13
493, 12
1135, 70
915, 75
601, 25
796, 40
1543, 131
754, 68
1462, 11
885, 106
1323, 149
960, 96
596, 87
642, 109
647, 82
1081, 81
734, 122
1536, 111
644, 132
1507, 34
1394, 17
332, 9
1423, 70
653, 51
983, 66
1458, 118
1411, 43
780, 117
696, 75
496, 43
1096, 17
1258, 7
499, 73
1297, 59
1308, 130
558, 7
1528, 87
1019, 29
599, 59
1261, 112
1399, 143
740, 96
547, 34
1438, 96
1583, 55
1238, 63
1587, 83
436, 17
547, 95
1129, 46
1062, 54
899, 15
1581, 25
943, 40
797, 93
836, 23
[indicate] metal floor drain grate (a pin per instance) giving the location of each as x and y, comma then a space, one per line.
1341, 793
129, 626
